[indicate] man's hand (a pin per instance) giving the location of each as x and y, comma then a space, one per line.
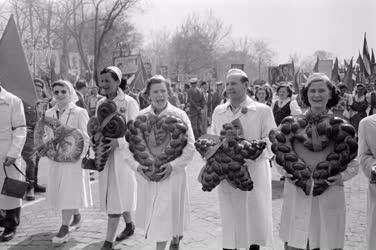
9, 161
166, 171
335, 180
140, 170
291, 179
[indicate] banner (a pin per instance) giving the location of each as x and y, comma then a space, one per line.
273, 73
325, 66
14, 69
127, 64
286, 73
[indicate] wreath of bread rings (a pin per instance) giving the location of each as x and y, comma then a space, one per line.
102, 129
57, 141
329, 129
228, 161
156, 140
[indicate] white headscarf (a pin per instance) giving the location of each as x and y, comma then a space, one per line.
72, 95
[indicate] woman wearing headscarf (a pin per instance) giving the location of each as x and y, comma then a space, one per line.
68, 184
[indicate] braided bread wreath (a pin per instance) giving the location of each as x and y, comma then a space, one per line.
156, 140
102, 129
311, 166
226, 157
57, 141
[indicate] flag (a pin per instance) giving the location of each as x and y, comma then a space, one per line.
14, 70
366, 58
335, 75
316, 67
348, 80
346, 64
361, 67
373, 58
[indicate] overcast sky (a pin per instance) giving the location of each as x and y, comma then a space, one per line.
301, 26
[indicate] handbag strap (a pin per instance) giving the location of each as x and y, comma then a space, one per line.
107, 120
14, 165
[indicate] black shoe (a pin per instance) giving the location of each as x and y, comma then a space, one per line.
254, 247
76, 223
127, 232
7, 235
283, 178
39, 189
107, 246
30, 195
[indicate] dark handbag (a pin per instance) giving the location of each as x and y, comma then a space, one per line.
12, 187
87, 162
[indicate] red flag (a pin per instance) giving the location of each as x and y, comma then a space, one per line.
373, 58
361, 67
346, 64
348, 80
316, 67
335, 74
14, 70
366, 58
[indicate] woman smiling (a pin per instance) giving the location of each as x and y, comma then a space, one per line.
162, 207
312, 220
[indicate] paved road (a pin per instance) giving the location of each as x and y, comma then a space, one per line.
40, 223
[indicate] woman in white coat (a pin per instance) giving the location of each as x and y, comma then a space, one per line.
246, 216
117, 181
12, 139
367, 157
162, 207
68, 184
316, 222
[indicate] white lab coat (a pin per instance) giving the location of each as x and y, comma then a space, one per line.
68, 184
247, 216
163, 207
117, 181
12, 140
367, 157
321, 219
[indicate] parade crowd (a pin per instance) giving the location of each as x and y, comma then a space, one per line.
161, 209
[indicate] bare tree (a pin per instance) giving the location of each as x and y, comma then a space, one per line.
263, 54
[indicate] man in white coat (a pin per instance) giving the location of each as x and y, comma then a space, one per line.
12, 140
117, 182
246, 216
367, 156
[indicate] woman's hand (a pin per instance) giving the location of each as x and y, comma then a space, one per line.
140, 170
166, 171
335, 180
291, 178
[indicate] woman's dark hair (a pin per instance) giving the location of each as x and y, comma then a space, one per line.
123, 84
59, 83
157, 79
264, 88
286, 85
113, 74
362, 86
318, 77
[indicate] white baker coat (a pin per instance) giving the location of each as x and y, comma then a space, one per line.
367, 156
117, 181
12, 140
68, 184
247, 216
163, 207
320, 219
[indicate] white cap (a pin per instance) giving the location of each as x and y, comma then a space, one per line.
116, 70
236, 72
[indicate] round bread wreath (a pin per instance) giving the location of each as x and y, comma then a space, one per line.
57, 141
329, 129
148, 127
226, 159
106, 126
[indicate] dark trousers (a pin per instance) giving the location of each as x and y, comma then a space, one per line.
251, 247
196, 122
10, 218
30, 159
287, 247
